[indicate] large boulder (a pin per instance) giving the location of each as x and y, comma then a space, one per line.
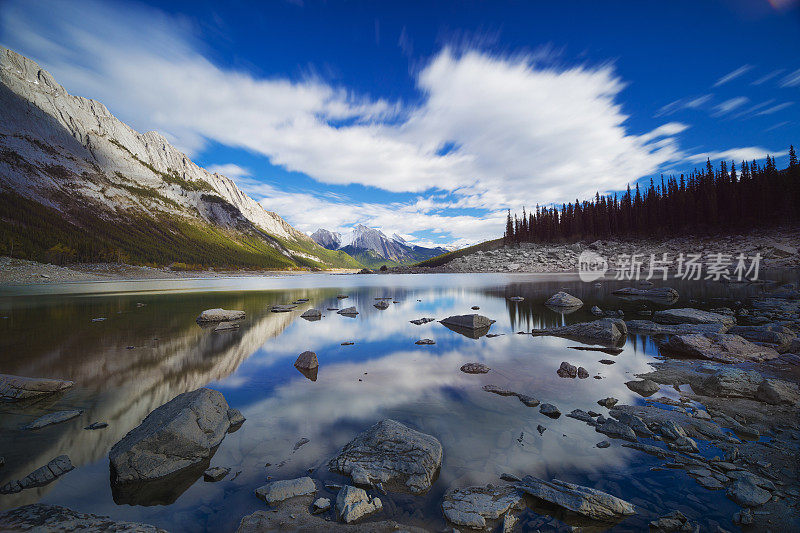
472, 506
691, 316
180, 434
778, 337
219, 315
603, 331
392, 454
563, 299
16, 388
777, 392
585, 501
722, 347
44, 517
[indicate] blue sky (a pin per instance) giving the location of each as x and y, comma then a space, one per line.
430, 119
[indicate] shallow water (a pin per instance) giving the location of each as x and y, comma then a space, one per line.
48, 331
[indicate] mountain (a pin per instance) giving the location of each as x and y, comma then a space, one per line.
78, 184
372, 248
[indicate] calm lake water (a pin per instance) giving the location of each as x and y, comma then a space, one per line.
50, 332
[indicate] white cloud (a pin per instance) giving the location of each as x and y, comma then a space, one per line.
775, 109
737, 154
729, 105
230, 170
696, 102
792, 80
767, 77
733, 75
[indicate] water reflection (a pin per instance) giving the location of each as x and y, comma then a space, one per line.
383, 374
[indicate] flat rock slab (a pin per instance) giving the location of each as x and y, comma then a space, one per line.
283, 308
585, 501
472, 506
688, 315
180, 434
39, 477
53, 418
647, 327
604, 331
645, 387
391, 453
420, 321
657, 294
347, 311
219, 315
43, 517
215, 473
722, 347
15, 388
778, 337
277, 491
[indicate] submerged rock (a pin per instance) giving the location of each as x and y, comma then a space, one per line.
391, 453
39, 477
353, 503
15, 388
180, 434
658, 294
585, 501
277, 491
563, 299
472, 506
283, 308
721, 347
219, 315
44, 517
53, 418
215, 473
691, 316
605, 330
473, 321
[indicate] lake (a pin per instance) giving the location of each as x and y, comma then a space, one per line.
148, 349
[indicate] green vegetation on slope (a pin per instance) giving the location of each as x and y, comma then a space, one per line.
440, 260
34, 231
370, 259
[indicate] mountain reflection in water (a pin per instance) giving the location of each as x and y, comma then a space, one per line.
149, 349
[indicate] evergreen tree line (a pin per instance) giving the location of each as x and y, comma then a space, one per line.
725, 199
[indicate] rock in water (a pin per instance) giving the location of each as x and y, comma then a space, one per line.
582, 373
306, 361
321, 505
15, 388
41, 476
347, 311
548, 409
658, 294
747, 494
473, 506
283, 308
383, 304
312, 314
576, 498
473, 321
391, 453
420, 321
646, 327
53, 418
778, 337
605, 331
645, 387
353, 503
226, 326
729, 383
475, 368
180, 434
567, 370
425, 342
563, 299
215, 473
219, 315
43, 517
277, 491
691, 316
721, 347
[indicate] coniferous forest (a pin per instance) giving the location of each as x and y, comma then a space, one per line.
726, 199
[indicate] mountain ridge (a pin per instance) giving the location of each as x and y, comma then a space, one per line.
75, 159
373, 248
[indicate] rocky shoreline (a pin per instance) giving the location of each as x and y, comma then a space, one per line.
778, 249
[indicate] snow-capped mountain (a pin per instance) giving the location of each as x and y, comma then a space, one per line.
372, 247
73, 175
